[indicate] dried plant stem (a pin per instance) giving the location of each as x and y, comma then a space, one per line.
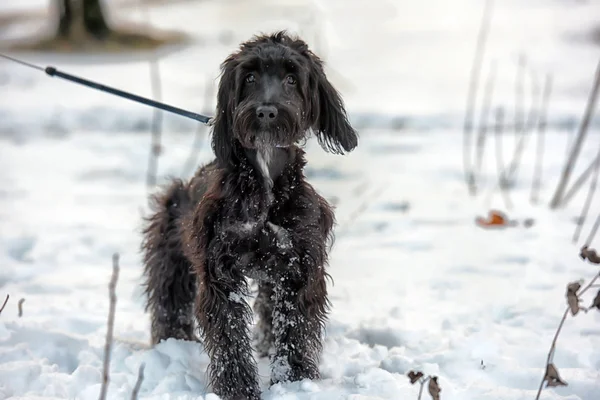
198, 144
501, 184
536, 104
551, 352
588, 200
570, 136
593, 232
4, 304
157, 115
522, 129
541, 133
111, 322
578, 144
519, 94
20, 307
578, 183
422, 382
558, 330
138, 382
483, 119
472, 94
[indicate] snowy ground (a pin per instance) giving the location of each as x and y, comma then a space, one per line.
417, 285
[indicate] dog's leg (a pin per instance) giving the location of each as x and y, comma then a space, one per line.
298, 318
263, 306
170, 284
224, 318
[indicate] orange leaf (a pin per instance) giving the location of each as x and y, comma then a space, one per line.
495, 218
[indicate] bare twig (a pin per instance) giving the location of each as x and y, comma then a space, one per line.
433, 387
522, 129
20, 307
502, 184
588, 200
536, 104
483, 119
519, 94
472, 94
558, 330
199, 143
138, 383
571, 133
422, 382
4, 304
578, 144
111, 321
541, 130
572, 191
157, 115
593, 232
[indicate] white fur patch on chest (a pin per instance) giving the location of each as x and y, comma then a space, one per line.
264, 159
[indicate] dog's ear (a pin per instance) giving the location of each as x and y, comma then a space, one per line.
222, 136
330, 122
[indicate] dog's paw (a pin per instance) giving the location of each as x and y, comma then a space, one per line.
283, 238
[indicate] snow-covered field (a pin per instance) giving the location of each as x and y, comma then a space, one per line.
417, 285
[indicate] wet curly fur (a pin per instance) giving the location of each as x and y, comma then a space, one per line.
250, 213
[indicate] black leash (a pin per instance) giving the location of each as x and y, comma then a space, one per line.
52, 71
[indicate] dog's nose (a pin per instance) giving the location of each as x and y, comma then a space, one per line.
266, 113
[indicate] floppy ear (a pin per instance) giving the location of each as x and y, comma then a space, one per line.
222, 137
330, 122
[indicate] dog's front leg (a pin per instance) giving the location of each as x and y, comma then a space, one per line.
297, 329
224, 318
300, 308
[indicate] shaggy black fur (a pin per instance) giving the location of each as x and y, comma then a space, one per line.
251, 214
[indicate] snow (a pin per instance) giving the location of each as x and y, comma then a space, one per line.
417, 285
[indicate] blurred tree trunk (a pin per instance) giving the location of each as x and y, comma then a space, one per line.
79, 19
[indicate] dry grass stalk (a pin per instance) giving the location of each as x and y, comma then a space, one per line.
157, 115
198, 145
138, 382
433, 386
522, 128
483, 119
20, 307
573, 296
541, 133
472, 94
519, 95
557, 199
109, 331
4, 304
588, 200
593, 232
572, 191
502, 184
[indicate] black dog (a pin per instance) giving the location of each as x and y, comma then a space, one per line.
251, 214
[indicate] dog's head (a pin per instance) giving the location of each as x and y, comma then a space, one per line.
273, 92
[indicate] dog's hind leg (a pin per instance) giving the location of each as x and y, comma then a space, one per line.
170, 284
263, 306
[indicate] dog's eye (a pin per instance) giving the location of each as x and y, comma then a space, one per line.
290, 80
250, 78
